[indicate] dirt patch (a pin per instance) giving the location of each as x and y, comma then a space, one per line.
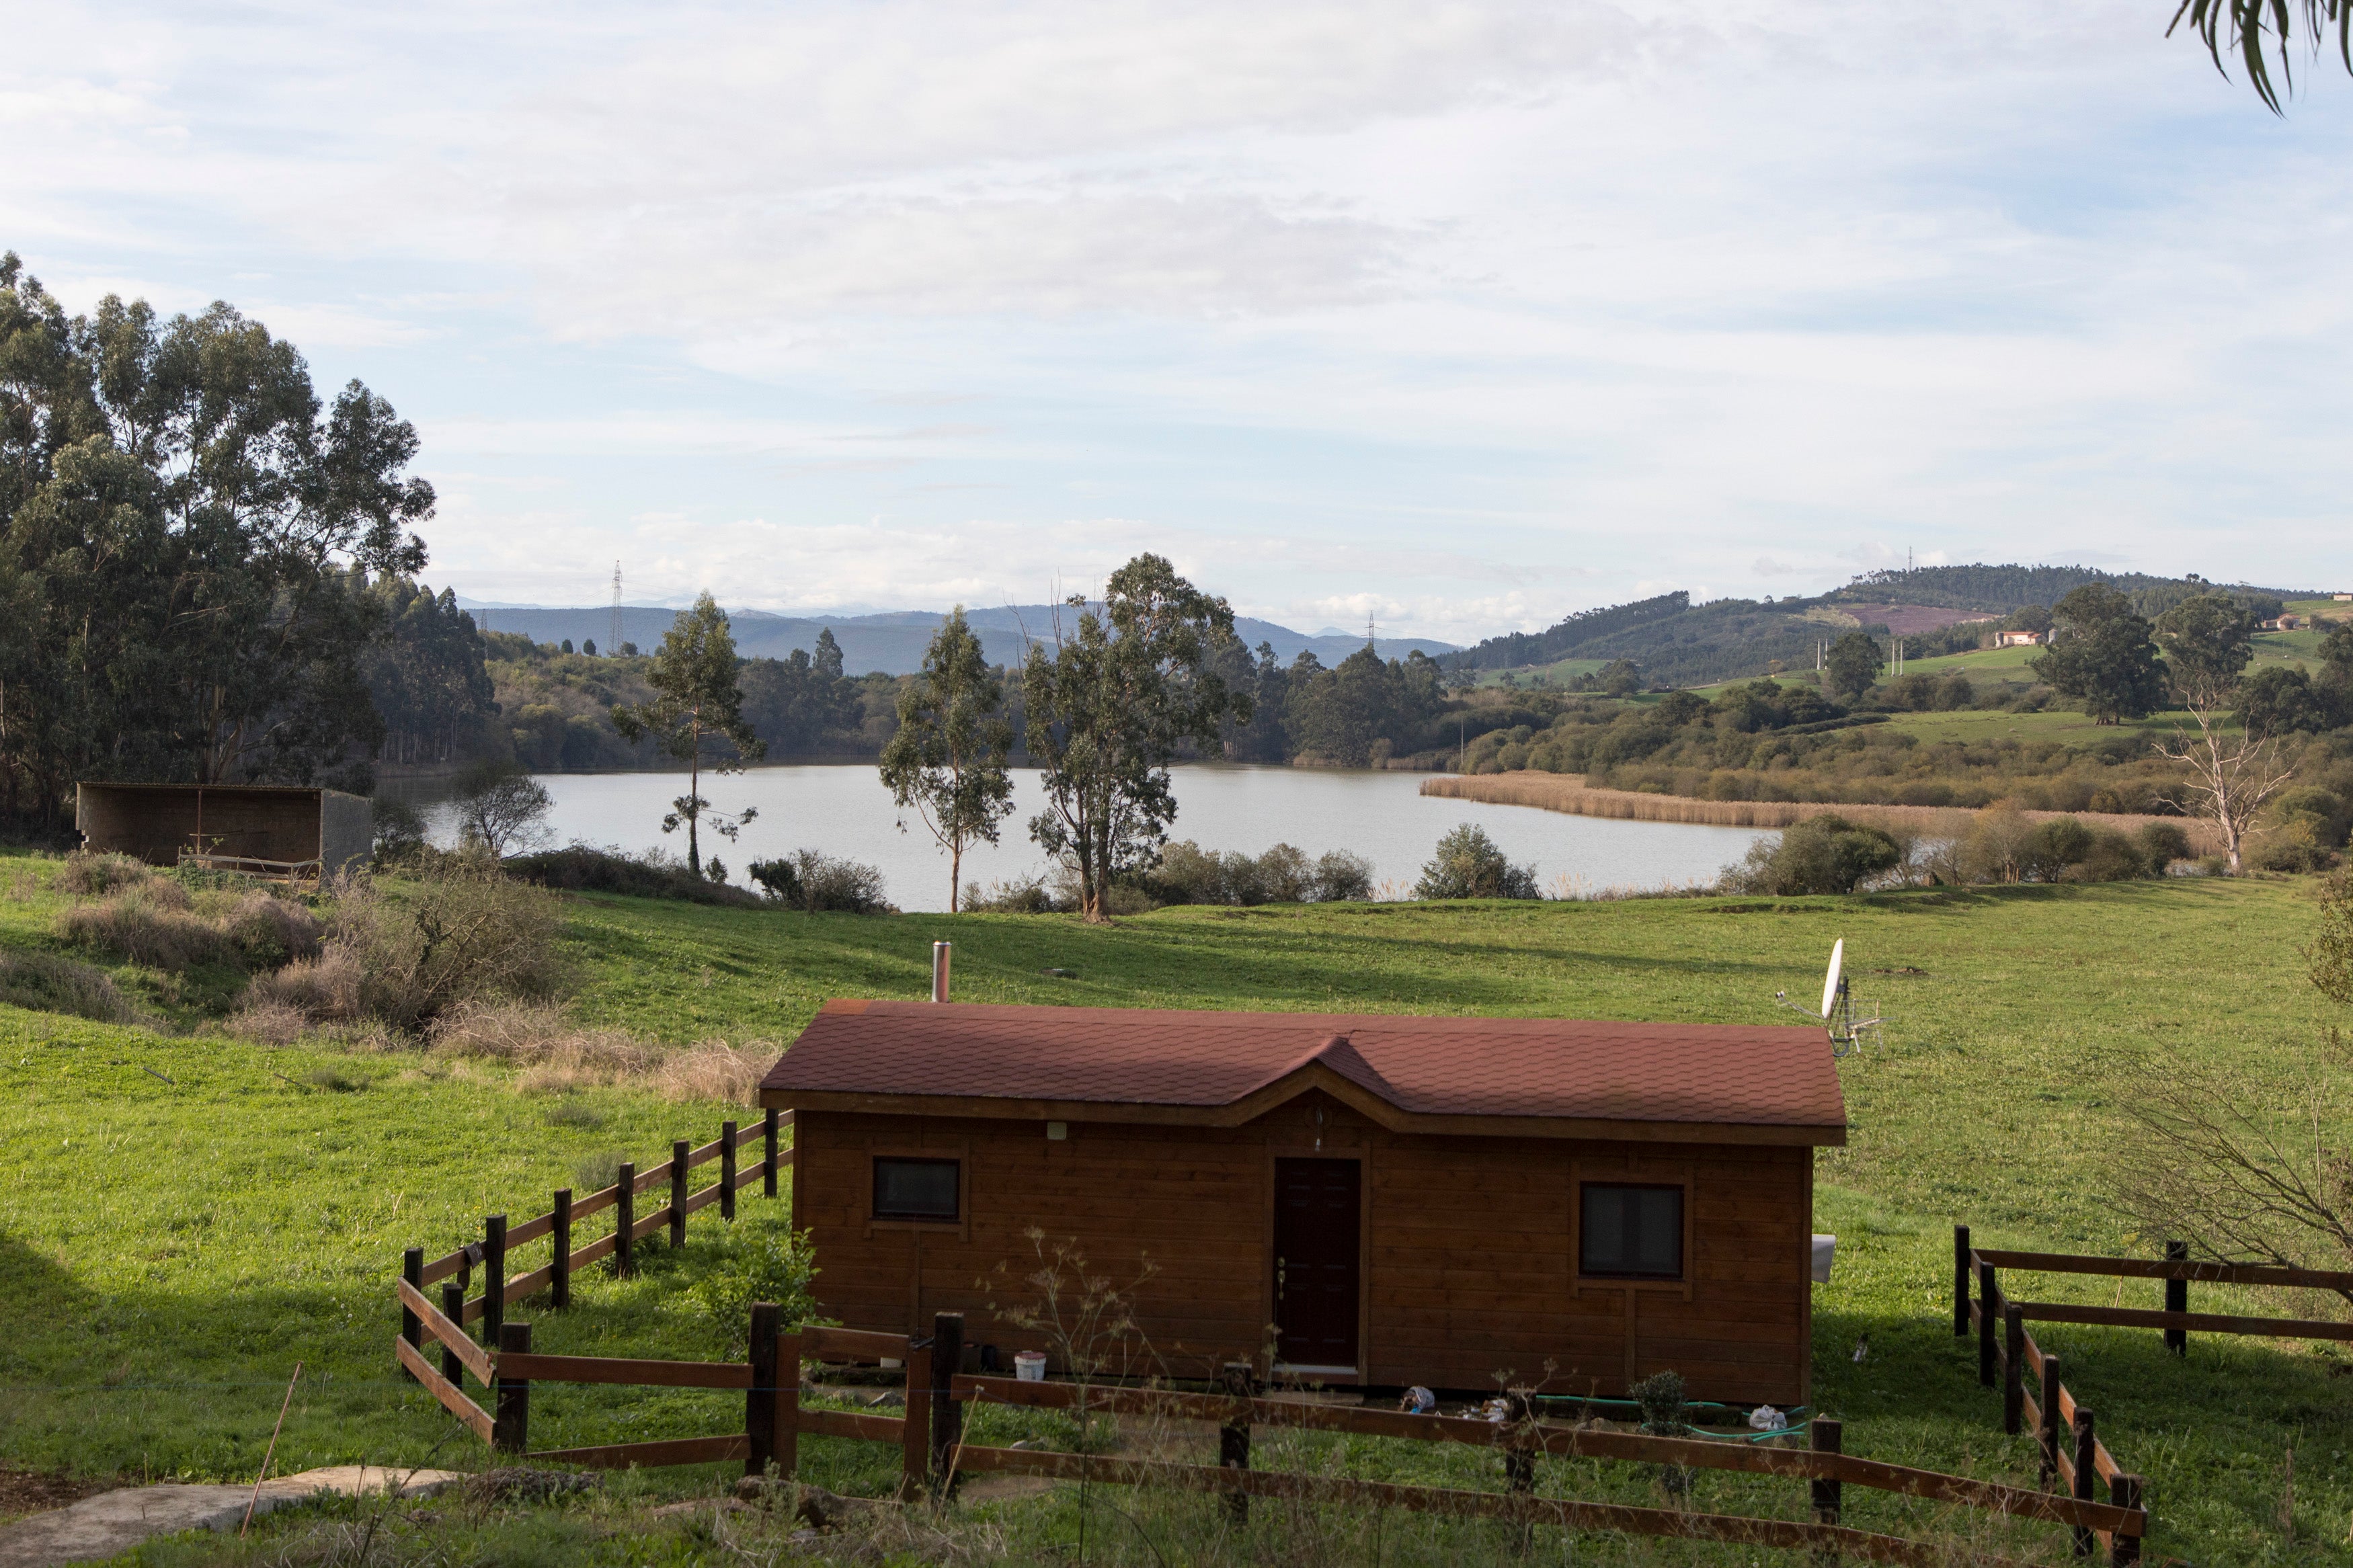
31, 1491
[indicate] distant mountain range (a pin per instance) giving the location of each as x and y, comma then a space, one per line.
891, 641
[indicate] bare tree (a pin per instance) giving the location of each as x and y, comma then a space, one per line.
2231, 774
502, 807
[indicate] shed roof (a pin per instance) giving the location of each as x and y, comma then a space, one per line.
1538, 1077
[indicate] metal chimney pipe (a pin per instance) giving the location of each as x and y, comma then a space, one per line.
940, 951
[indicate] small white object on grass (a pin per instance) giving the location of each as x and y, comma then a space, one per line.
1861, 1347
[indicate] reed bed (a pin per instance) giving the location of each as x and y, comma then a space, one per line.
1567, 792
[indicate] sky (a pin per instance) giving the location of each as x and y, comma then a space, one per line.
1458, 316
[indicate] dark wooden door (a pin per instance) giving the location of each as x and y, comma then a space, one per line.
1318, 1262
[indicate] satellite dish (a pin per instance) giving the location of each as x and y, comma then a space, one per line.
1847, 1032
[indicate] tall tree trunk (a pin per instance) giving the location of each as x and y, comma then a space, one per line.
955, 871
695, 801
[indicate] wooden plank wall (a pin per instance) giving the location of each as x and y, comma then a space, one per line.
1470, 1255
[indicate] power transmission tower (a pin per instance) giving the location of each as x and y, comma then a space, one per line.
613, 646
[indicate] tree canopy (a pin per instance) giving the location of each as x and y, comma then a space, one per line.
2101, 652
1110, 705
947, 760
2239, 27
2207, 641
177, 511
696, 713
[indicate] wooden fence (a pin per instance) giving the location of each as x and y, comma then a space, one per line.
2073, 1453
932, 1450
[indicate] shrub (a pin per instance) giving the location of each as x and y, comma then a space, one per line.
46, 983
1343, 876
1028, 898
758, 1258
464, 933
148, 923
267, 931
558, 1056
581, 869
815, 883
1469, 865
1824, 854
502, 807
2052, 847
2162, 843
84, 875
324, 989
400, 832
2111, 858
1188, 874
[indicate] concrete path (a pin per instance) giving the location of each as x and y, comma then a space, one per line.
112, 1523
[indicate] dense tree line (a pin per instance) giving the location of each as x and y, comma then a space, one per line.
178, 510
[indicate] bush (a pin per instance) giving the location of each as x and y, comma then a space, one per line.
815, 883
1028, 898
1825, 854
579, 868
400, 832
1188, 874
1469, 865
2162, 843
2111, 858
464, 933
46, 982
148, 923
502, 807
758, 1258
322, 990
2052, 847
87, 876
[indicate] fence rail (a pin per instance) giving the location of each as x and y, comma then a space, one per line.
930, 1437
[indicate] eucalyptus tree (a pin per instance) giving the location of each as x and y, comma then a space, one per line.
2239, 27
2100, 651
2207, 641
179, 513
946, 762
697, 706
1125, 686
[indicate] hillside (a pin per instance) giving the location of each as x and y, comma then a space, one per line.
892, 642
1675, 643
164, 1277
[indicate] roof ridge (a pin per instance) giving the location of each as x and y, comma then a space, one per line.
1340, 1055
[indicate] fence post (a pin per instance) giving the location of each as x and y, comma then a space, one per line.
494, 1277
2050, 1433
760, 1400
1236, 1380
511, 1416
2177, 1297
559, 1278
2087, 1449
412, 1268
948, 1415
2125, 1491
625, 1204
768, 1168
727, 1170
2013, 1370
1829, 1437
918, 1475
788, 1404
453, 1306
1989, 1315
1960, 1281
678, 1152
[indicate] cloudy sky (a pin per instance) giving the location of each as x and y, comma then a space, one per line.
1463, 316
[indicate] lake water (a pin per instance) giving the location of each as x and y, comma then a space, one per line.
844, 810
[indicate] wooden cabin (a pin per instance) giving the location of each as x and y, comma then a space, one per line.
1380, 1200
270, 828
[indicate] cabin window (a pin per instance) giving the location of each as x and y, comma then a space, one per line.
917, 1189
1630, 1232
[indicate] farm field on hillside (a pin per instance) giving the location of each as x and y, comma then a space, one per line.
170, 1248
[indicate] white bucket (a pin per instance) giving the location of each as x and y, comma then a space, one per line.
1030, 1366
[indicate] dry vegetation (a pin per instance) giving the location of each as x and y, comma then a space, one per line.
456, 961
1568, 793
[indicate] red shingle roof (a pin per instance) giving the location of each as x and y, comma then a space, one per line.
1519, 1068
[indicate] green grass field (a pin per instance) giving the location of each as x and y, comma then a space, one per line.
168, 1250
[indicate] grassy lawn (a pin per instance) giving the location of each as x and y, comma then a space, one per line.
169, 1250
